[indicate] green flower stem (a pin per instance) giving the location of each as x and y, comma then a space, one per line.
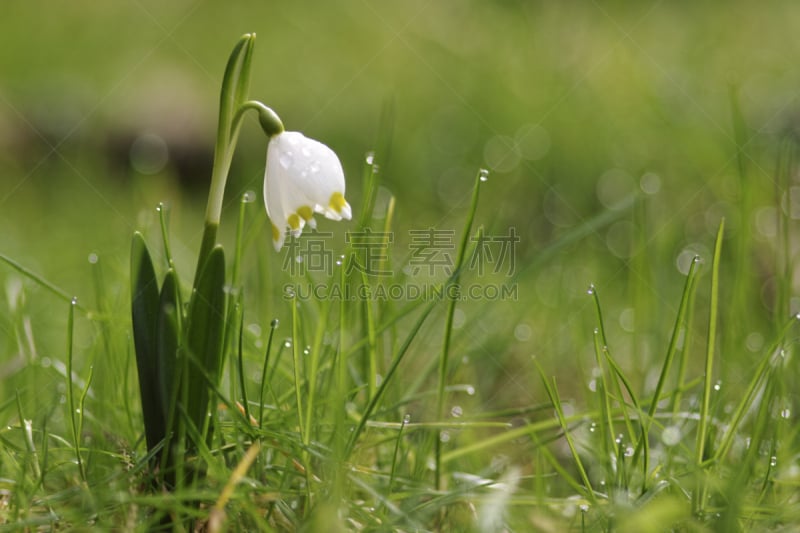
235, 85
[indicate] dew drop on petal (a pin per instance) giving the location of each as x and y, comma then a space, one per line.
314, 167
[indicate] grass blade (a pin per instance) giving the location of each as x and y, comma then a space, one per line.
698, 498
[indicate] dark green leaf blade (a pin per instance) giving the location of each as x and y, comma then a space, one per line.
204, 336
144, 313
167, 335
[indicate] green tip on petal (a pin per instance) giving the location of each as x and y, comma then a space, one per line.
306, 212
276, 233
293, 221
337, 202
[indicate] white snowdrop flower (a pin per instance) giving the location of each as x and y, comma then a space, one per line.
303, 177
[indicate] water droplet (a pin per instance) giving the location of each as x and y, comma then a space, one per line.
46, 362
444, 436
592, 428
483, 174
773, 461
338, 262
456, 411
523, 332
298, 259
584, 508
249, 197
650, 183
286, 160
74, 300
406, 419
717, 385
254, 329
629, 451
274, 323
618, 440
159, 207
590, 290
671, 435
314, 167
470, 390
93, 258
287, 343
370, 158
786, 413
593, 387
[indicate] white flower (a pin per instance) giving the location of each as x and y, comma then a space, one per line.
303, 177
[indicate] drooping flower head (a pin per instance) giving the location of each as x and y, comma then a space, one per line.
302, 177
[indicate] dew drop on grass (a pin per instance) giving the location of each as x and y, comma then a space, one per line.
406, 419
773, 461
717, 385
456, 411
370, 158
287, 343
444, 436
629, 451
470, 390
483, 174
93, 258
671, 435
592, 428
46, 362
592, 387
74, 300
274, 323
786, 413
249, 197
590, 291
584, 508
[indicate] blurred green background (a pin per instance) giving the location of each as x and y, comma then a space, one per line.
108, 108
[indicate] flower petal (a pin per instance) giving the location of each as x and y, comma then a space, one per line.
302, 176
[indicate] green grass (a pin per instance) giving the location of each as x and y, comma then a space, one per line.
615, 393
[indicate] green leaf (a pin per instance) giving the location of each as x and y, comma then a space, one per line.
144, 313
204, 336
167, 335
